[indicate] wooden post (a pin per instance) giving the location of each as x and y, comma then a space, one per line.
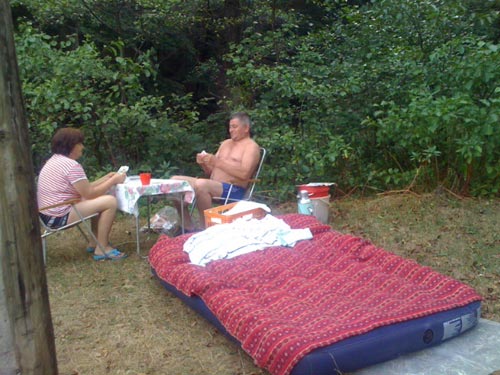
26, 333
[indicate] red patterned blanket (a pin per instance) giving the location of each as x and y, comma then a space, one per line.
281, 303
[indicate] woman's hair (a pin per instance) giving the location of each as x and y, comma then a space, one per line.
65, 139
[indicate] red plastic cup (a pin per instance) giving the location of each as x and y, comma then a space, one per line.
145, 178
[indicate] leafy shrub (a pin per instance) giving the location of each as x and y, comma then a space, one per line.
66, 84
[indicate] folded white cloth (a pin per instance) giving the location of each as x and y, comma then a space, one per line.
243, 206
225, 241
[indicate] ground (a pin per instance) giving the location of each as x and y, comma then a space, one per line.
115, 318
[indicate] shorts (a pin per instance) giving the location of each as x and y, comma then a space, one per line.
237, 192
54, 222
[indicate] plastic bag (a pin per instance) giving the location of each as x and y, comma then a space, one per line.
165, 221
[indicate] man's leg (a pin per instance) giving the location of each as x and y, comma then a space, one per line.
188, 223
205, 190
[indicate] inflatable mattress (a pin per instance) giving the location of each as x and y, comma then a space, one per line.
331, 304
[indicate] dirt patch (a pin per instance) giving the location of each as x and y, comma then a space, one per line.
115, 318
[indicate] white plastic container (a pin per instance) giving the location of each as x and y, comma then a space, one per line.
321, 208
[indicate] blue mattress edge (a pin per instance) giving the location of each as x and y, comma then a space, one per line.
379, 345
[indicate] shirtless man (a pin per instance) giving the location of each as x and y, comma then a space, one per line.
234, 163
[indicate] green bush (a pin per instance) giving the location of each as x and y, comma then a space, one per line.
66, 84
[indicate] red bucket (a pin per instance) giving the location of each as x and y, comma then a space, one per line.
316, 190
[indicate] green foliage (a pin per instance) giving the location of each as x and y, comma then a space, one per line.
401, 93
452, 128
293, 91
384, 94
69, 85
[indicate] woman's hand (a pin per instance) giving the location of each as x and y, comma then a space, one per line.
118, 178
114, 177
89, 190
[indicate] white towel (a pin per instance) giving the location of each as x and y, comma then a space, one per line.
225, 241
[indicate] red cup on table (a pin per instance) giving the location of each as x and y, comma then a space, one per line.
145, 178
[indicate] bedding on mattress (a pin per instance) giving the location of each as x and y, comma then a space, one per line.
281, 303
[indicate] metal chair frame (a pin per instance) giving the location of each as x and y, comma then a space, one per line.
48, 231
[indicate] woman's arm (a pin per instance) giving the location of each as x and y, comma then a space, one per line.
99, 187
102, 179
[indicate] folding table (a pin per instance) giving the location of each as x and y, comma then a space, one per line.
129, 193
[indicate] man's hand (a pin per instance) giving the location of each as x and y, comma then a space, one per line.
203, 158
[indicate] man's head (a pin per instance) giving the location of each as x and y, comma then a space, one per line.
240, 126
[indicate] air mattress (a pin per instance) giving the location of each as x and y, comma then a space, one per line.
332, 304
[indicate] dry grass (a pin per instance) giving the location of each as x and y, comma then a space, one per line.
460, 239
114, 318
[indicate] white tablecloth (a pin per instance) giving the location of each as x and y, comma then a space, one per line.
129, 192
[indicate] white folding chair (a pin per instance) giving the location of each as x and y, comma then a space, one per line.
47, 231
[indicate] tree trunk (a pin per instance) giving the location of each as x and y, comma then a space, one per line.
26, 332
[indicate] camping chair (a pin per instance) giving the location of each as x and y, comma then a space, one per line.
47, 231
249, 192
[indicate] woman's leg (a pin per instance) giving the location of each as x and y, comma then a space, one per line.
105, 205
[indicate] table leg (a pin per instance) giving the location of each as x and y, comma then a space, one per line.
137, 223
149, 213
182, 212
137, 235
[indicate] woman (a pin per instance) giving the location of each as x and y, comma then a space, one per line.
63, 178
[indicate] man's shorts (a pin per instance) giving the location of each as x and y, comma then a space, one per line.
237, 192
54, 221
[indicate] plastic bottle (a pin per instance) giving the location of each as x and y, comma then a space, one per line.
305, 205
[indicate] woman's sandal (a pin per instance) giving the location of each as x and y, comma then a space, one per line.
114, 254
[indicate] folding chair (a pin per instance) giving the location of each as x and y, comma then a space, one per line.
47, 231
248, 193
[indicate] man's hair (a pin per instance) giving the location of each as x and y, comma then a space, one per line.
65, 139
243, 117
